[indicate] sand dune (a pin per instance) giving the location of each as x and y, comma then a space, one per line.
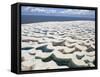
57, 45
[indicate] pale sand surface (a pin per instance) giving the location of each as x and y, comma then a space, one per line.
57, 45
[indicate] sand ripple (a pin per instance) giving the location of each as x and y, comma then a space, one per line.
57, 45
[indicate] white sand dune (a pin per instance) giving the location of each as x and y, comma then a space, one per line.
57, 45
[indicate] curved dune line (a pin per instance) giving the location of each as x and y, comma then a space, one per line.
90, 54
59, 43
67, 50
41, 54
61, 59
80, 47
90, 49
39, 64
88, 58
69, 45
70, 40
44, 48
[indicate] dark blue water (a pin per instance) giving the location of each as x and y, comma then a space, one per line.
33, 18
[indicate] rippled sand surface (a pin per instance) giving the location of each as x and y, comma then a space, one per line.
57, 45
